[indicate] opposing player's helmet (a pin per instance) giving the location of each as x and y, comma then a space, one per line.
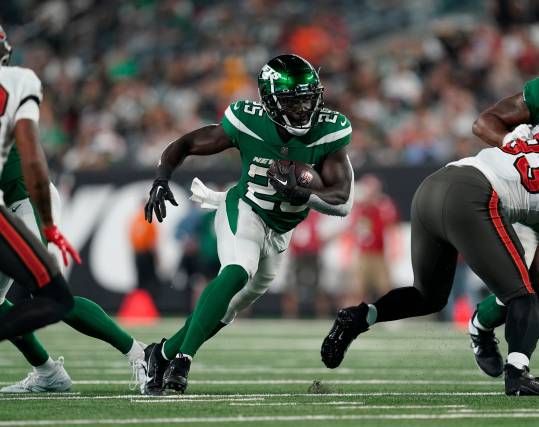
5, 48
291, 93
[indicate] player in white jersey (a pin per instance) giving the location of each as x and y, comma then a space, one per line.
22, 256
466, 207
502, 123
515, 177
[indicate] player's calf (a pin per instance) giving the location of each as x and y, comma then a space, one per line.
175, 376
50, 304
350, 322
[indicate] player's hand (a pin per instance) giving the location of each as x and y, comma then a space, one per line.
159, 192
523, 132
53, 235
285, 183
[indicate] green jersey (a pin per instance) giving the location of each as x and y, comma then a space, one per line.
255, 135
11, 180
531, 97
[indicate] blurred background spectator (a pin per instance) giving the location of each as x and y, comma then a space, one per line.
303, 293
143, 237
372, 219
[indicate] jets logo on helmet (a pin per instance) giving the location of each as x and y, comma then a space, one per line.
269, 73
291, 93
5, 48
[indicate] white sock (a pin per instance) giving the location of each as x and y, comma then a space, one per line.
136, 352
372, 314
474, 325
47, 368
499, 302
186, 355
518, 360
163, 352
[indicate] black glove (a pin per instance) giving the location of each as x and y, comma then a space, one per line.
158, 194
284, 181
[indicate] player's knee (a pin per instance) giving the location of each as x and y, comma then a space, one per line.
436, 303
58, 292
235, 273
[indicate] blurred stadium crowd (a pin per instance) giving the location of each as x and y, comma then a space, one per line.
124, 78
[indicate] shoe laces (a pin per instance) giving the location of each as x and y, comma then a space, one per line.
138, 376
29, 381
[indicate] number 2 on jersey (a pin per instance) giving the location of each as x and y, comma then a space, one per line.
268, 190
529, 176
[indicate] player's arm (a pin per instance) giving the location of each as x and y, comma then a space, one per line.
335, 198
496, 122
36, 178
204, 141
34, 168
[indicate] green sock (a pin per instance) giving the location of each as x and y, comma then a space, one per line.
172, 344
90, 319
491, 314
30, 347
212, 306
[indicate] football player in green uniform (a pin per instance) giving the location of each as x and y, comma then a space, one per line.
256, 217
506, 121
86, 316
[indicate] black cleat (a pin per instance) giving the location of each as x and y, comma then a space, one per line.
519, 382
486, 352
350, 322
175, 376
156, 367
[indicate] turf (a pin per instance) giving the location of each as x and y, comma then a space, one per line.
261, 373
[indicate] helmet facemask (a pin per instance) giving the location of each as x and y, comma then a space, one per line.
297, 110
5, 48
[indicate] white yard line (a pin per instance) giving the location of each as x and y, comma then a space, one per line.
108, 365
266, 395
172, 400
286, 381
337, 382
305, 382
352, 405
282, 418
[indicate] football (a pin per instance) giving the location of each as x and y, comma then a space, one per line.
306, 176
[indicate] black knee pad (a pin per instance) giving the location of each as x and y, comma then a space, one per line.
57, 291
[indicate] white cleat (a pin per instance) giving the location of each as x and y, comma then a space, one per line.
140, 368
57, 381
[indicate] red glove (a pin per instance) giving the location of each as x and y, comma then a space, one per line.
53, 235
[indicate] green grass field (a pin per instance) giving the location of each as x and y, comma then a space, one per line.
260, 372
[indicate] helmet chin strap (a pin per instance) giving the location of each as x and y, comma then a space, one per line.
296, 131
